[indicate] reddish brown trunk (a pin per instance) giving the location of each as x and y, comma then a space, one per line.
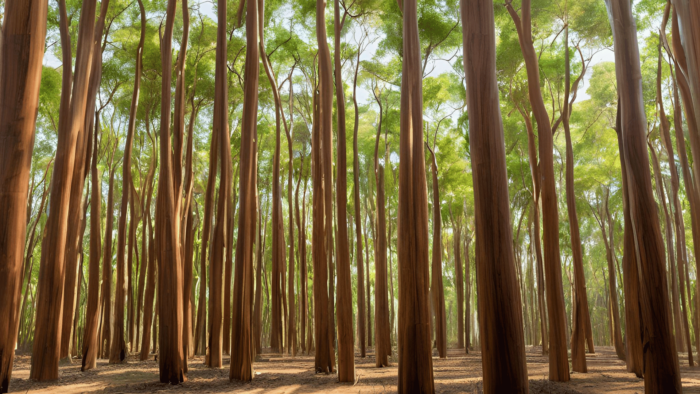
500, 312
23, 39
92, 314
581, 317
436, 285
415, 360
47, 335
241, 337
171, 360
459, 279
558, 359
661, 371
323, 208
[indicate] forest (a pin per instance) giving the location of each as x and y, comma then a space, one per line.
309, 196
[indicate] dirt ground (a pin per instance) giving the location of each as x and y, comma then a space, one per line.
459, 373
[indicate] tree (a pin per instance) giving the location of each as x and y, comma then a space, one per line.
558, 359
661, 372
22, 48
415, 361
505, 369
47, 334
241, 338
170, 274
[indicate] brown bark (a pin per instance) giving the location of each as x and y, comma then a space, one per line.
107, 266
606, 225
581, 316
661, 371
633, 322
681, 330
151, 255
415, 360
47, 335
681, 66
80, 172
241, 337
220, 127
303, 270
23, 39
346, 350
118, 351
92, 314
690, 191
170, 274
558, 359
200, 336
459, 279
500, 323
381, 320
323, 209
278, 243
358, 217
436, 285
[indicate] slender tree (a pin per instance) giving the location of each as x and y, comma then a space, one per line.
241, 338
415, 361
661, 371
170, 274
503, 349
47, 334
22, 49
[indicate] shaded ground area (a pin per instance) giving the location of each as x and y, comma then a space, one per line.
459, 373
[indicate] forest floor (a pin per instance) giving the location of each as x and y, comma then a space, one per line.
274, 373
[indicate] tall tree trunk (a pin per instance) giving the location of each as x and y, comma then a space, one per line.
171, 360
92, 314
346, 349
459, 279
381, 320
80, 172
606, 222
500, 312
323, 208
241, 338
257, 310
47, 334
107, 266
691, 193
681, 67
22, 48
358, 217
220, 128
436, 284
303, 270
415, 359
581, 316
558, 359
118, 351
682, 334
661, 371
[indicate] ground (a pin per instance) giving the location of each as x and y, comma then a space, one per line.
459, 373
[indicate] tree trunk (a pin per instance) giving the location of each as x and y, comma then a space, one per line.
241, 338
358, 218
500, 312
77, 182
436, 285
171, 360
22, 48
415, 359
92, 314
47, 335
661, 371
323, 210
581, 316
459, 280
558, 359
381, 319
690, 191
